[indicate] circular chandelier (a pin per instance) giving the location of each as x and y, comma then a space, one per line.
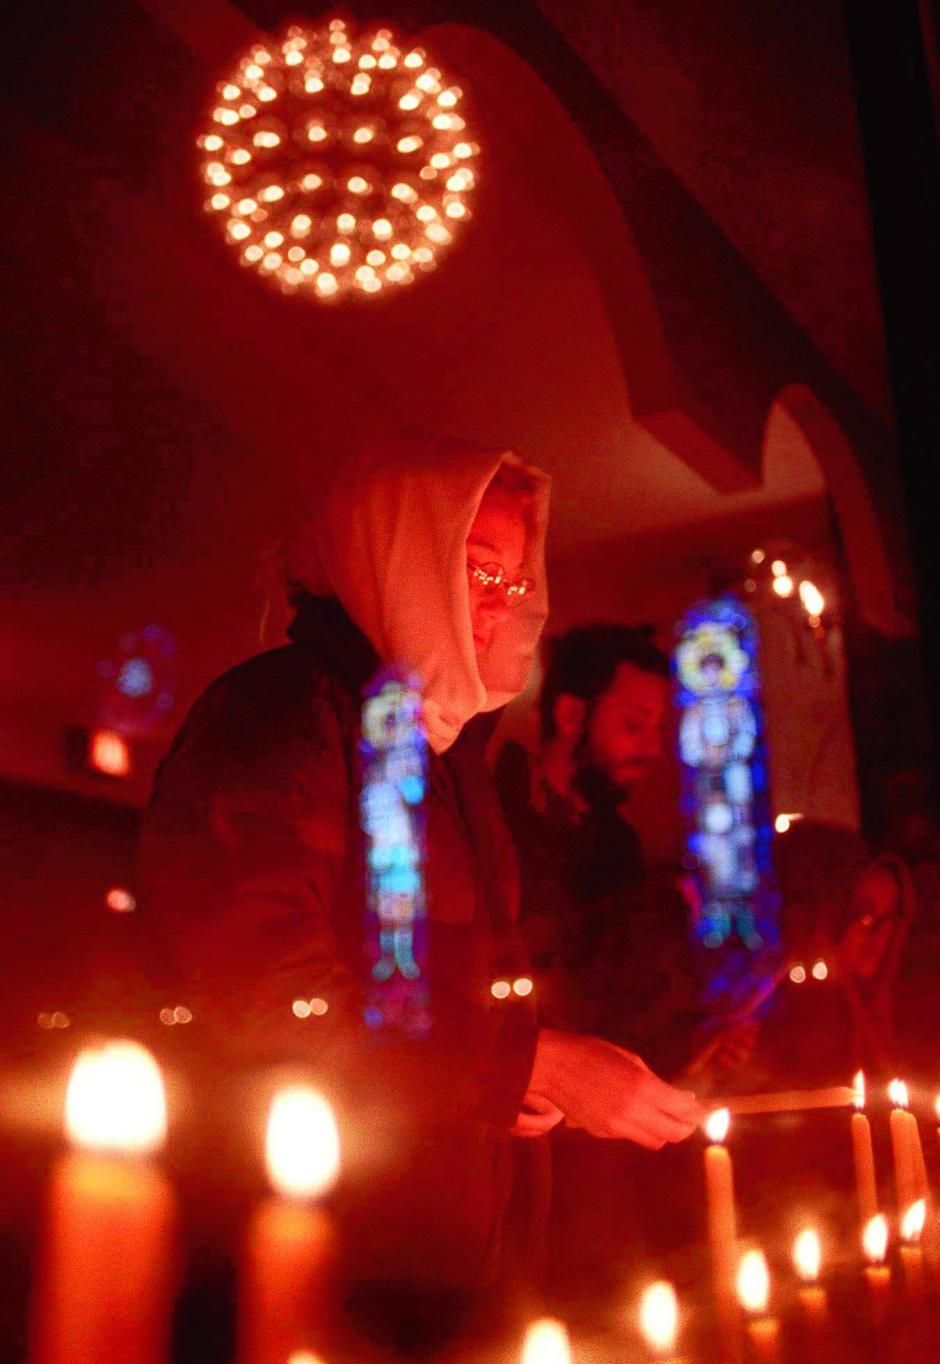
338, 165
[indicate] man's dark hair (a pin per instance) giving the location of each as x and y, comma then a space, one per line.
583, 662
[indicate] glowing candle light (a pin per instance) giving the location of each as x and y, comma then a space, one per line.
546, 1342
105, 1288
877, 1273
905, 1140
722, 1221
753, 1284
659, 1318
290, 1242
912, 1254
807, 1259
863, 1155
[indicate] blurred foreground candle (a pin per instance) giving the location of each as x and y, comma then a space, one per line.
285, 1297
807, 1258
904, 1139
863, 1155
877, 1273
546, 1342
754, 1293
659, 1319
912, 1256
105, 1286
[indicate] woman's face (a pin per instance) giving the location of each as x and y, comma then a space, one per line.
497, 536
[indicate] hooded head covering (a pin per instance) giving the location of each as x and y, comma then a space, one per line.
390, 544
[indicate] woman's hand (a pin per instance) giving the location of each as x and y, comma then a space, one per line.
610, 1092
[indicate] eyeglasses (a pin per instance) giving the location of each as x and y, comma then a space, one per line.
493, 576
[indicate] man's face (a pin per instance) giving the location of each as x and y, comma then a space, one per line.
625, 730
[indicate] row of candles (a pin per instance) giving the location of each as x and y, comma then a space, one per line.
742, 1281
105, 1286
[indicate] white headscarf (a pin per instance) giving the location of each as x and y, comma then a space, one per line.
390, 544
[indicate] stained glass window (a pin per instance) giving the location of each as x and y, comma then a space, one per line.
393, 753
724, 775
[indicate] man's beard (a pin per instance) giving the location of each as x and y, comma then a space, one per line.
594, 783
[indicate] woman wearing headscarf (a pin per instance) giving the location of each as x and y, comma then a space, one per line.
429, 555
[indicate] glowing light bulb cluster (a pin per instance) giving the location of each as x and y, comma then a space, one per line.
785, 585
338, 165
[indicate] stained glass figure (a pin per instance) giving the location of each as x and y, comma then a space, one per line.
724, 773
393, 754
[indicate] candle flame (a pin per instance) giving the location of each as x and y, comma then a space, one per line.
717, 1124
546, 1342
936, 1106
897, 1093
912, 1223
859, 1085
659, 1315
807, 1255
875, 1239
302, 1148
115, 1099
753, 1281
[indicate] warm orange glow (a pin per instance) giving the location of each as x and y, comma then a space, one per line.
522, 986
783, 586
875, 1239
304, 1357
812, 599
717, 1125
753, 1281
807, 1255
659, 1316
120, 901
778, 568
500, 989
858, 1083
109, 753
115, 1099
546, 1342
897, 1093
798, 974
302, 1146
912, 1222
820, 970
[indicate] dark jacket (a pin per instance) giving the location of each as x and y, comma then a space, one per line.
252, 870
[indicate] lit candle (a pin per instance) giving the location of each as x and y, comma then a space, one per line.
912, 1256
877, 1273
105, 1291
866, 1183
659, 1319
807, 1258
904, 1139
719, 1192
285, 1294
546, 1342
754, 1294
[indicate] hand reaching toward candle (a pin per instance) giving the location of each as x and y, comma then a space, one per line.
610, 1092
